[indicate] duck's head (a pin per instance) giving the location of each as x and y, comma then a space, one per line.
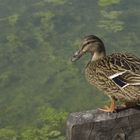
90, 44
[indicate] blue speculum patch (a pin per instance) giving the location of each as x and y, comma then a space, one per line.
119, 81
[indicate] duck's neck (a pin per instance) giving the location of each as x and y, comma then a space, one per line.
97, 55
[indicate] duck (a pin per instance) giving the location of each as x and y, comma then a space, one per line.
116, 74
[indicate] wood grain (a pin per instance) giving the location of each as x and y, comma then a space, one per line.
97, 125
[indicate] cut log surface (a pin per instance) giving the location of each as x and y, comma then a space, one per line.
98, 125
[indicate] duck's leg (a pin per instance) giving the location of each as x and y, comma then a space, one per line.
111, 108
130, 104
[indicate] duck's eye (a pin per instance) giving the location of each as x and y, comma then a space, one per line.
84, 50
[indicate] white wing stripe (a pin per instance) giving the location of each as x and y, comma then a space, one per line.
134, 84
116, 74
125, 85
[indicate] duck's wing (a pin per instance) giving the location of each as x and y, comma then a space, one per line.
126, 69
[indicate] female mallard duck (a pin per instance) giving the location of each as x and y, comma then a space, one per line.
118, 75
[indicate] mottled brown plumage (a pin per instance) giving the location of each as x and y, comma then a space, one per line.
118, 75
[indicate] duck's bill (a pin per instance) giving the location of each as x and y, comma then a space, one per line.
76, 56
73, 59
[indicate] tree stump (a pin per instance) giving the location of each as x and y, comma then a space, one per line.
98, 125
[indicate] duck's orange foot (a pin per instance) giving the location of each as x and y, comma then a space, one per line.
110, 109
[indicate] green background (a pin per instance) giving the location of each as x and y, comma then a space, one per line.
39, 86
